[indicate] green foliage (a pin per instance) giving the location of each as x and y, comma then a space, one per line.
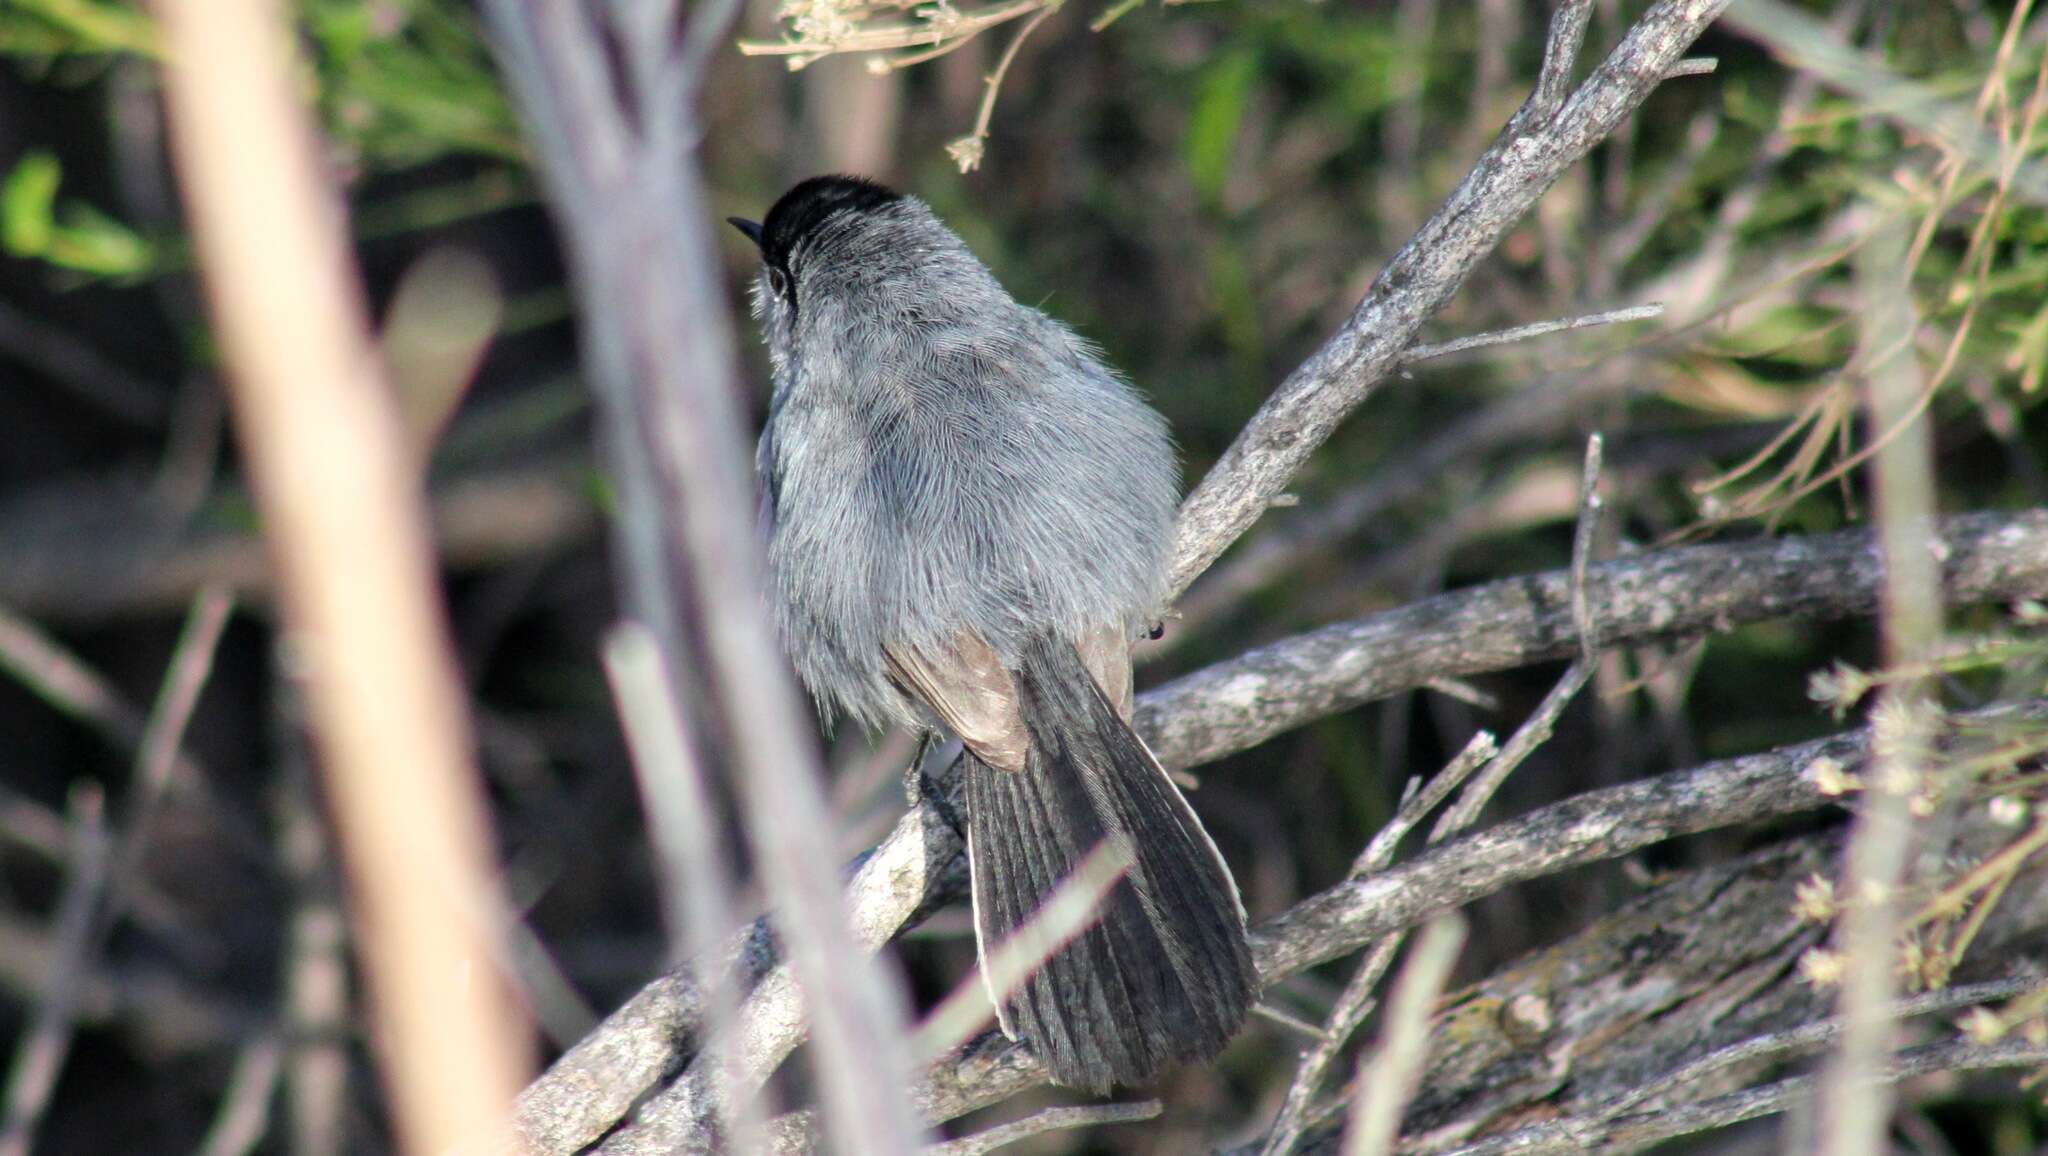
70, 235
403, 83
1220, 99
399, 84
52, 28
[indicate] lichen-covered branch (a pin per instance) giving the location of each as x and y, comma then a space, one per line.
1589, 828
1497, 626
1665, 594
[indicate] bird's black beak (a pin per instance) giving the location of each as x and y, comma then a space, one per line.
751, 228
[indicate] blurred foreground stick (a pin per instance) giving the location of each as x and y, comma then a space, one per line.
609, 93
88, 550
339, 489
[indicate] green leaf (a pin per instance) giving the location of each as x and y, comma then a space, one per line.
1216, 117
89, 241
28, 203
72, 236
83, 26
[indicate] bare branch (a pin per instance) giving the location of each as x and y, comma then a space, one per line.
1498, 626
1666, 594
1531, 153
40, 1053
1640, 1132
1387, 1081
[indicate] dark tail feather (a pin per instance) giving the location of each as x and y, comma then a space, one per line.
1164, 974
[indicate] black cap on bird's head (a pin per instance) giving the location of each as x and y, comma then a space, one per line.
805, 209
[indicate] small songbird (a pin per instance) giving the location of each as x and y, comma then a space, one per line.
969, 517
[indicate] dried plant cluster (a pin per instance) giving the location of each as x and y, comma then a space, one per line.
1996, 767
894, 35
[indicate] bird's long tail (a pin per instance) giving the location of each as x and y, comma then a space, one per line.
1164, 974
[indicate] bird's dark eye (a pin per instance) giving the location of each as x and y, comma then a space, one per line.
778, 281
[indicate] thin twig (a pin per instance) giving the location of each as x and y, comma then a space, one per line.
1525, 332
1355, 1002
1290, 1021
1387, 1081
967, 151
1537, 728
1112, 14
244, 1116
1072, 907
1855, 1108
157, 758
1049, 1120
1566, 36
1583, 541
67, 684
694, 862
97, 895
1380, 851
41, 1052
1464, 692
1533, 733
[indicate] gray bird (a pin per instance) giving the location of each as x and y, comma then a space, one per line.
969, 517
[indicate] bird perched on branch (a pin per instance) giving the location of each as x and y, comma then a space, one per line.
969, 520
